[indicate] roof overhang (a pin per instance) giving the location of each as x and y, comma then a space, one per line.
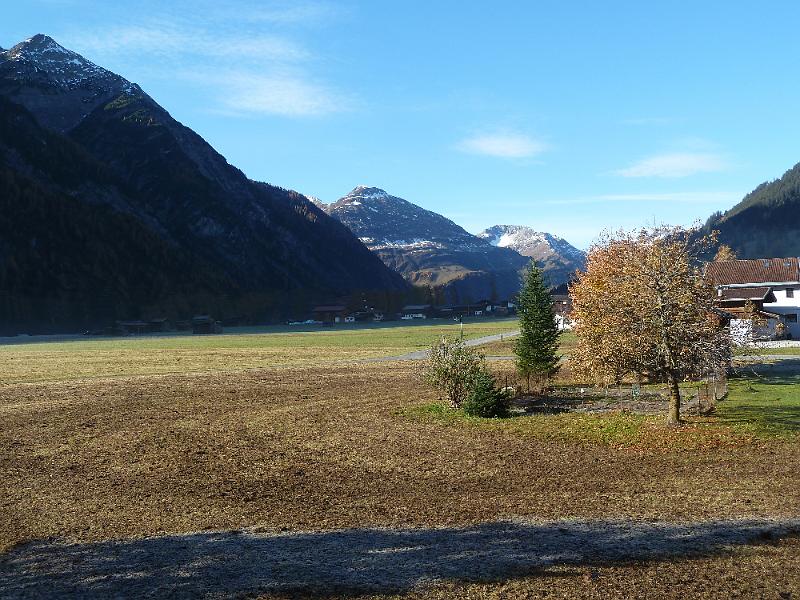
758, 284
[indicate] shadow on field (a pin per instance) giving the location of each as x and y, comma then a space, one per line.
787, 367
355, 561
760, 402
777, 418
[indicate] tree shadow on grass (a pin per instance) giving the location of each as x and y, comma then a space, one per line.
775, 419
355, 561
762, 404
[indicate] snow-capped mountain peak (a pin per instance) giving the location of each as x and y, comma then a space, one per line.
427, 248
550, 252
365, 192
64, 67
522, 238
317, 202
383, 220
508, 236
39, 68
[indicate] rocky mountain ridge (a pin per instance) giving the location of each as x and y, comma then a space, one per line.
430, 250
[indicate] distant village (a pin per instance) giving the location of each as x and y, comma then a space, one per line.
757, 299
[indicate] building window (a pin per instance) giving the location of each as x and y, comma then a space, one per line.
791, 318
790, 292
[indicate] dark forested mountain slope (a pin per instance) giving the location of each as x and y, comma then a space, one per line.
766, 223
64, 261
100, 141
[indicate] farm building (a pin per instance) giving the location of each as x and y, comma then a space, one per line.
502, 308
491, 308
330, 313
158, 325
205, 324
562, 304
461, 310
417, 311
133, 327
763, 288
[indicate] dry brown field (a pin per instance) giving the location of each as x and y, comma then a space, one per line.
97, 469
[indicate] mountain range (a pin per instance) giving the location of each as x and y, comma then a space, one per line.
113, 209
432, 251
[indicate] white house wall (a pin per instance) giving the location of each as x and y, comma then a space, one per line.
786, 306
783, 305
743, 332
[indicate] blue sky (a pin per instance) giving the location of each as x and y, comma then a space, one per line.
570, 117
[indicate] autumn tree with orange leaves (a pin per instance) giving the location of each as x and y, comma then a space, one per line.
725, 252
642, 309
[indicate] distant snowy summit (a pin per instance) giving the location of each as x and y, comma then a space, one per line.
430, 249
426, 248
553, 254
381, 220
529, 242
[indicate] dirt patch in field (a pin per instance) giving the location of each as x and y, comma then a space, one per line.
594, 401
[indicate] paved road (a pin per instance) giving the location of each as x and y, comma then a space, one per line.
423, 354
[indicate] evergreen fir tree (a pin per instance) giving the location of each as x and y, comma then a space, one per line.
537, 343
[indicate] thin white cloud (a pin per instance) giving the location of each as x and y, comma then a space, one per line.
280, 94
675, 165
502, 145
238, 63
179, 43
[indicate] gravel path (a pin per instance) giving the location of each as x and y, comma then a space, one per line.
423, 354
355, 561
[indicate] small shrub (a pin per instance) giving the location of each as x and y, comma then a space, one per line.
451, 368
485, 399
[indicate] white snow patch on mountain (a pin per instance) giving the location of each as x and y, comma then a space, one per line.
64, 67
529, 242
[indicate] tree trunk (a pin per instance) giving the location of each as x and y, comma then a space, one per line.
674, 416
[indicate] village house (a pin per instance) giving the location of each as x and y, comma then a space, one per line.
330, 313
205, 325
416, 311
764, 288
562, 310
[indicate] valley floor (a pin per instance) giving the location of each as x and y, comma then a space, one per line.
337, 480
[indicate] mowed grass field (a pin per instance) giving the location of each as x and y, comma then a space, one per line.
115, 441
235, 351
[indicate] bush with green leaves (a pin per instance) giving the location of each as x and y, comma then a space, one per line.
485, 399
452, 367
